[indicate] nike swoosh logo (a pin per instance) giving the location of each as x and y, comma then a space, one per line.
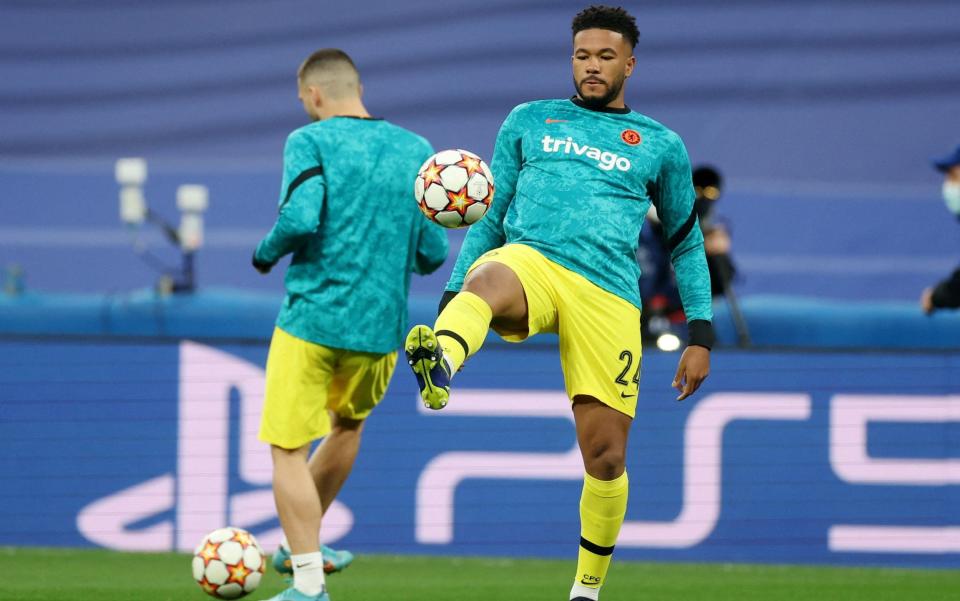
626, 396
303, 565
557, 121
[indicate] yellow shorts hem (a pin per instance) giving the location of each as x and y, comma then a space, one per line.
306, 382
628, 409
291, 443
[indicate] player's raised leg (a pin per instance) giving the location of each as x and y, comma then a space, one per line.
602, 435
492, 293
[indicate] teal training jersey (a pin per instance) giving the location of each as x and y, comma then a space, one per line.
576, 185
348, 215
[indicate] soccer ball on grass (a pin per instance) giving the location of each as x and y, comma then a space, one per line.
228, 563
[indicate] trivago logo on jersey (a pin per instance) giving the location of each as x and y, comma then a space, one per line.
605, 160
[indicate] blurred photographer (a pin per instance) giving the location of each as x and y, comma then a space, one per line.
708, 184
946, 294
662, 309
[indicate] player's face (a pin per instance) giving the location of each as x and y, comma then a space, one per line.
602, 61
953, 175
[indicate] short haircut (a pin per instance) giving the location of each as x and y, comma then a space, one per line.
332, 69
610, 18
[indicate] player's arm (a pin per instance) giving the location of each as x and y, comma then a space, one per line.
487, 233
301, 198
432, 247
674, 198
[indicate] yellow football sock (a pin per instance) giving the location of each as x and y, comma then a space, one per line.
603, 505
462, 327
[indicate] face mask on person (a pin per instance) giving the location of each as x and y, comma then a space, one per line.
951, 197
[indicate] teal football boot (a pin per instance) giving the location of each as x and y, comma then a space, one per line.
333, 561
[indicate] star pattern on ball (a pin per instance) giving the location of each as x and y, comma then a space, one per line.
208, 586
430, 213
471, 164
239, 573
431, 174
459, 201
243, 538
209, 552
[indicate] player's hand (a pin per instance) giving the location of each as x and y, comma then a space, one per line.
926, 301
693, 370
260, 266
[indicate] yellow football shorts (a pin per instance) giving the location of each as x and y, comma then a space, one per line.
599, 332
305, 381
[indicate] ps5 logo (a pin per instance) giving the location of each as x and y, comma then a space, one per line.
702, 465
172, 511
197, 492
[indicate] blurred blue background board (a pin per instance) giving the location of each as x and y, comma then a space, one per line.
64, 229
844, 90
821, 114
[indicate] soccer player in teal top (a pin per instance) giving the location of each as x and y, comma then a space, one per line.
347, 216
556, 253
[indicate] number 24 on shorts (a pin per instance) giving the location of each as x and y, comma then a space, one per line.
627, 357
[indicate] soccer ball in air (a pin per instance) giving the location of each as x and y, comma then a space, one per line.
454, 188
228, 563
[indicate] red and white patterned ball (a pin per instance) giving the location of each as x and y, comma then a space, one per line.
228, 563
454, 188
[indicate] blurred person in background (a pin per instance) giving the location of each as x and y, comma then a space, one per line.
662, 309
708, 184
333, 350
946, 294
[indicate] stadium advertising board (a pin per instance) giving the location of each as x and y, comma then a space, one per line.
783, 457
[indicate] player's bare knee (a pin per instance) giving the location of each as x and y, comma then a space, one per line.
497, 286
603, 460
483, 283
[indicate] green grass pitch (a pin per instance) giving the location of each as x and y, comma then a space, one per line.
60, 575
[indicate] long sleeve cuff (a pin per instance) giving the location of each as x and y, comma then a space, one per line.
701, 334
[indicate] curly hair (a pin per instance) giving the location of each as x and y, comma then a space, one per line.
611, 18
